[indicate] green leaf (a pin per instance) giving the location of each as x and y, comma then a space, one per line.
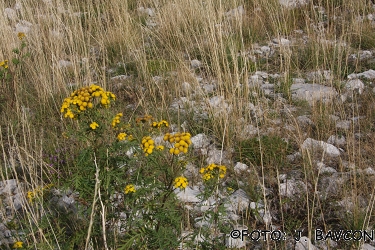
15, 61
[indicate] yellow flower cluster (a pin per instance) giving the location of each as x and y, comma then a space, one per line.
181, 142
4, 64
160, 147
37, 192
211, 170
21, 35
148, 145
83, 98
116, 120
17, 244
94, 125
180, 182
129, 189
162, 123
121, 136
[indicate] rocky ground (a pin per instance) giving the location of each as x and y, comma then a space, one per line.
330, 159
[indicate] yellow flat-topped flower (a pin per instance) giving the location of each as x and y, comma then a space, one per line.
212, 171
17, 244
181, 182
84, 98
21, 35
129, 189
121, 136
94, 125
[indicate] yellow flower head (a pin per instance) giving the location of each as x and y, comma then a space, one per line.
21, 35
4, 64
181, 182
212, 171
17, 244
129, 189
148, 145
94, 125
160, 147
85, 98
30, 196
162, 123
181, 142
121, 136
116, 120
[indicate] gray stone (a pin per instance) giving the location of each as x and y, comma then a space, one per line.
266, 216
268, 88
188, 194
255, 80
191, 171
64, 64
256, 205
304, 243
148, 11
319, 76
323, 169
240, 167
369, 74
186, 87
238, 201
10, 14
265, 50
68, 200
195, 64
330, 186
304, 120
292, 188
23, 26
218, 157
249, 130
355, 85
293, 157
18, 200
219, 105
337, 140
200, 141
362, 55
329, 149
281, 41
120, 78
239, 11
369, 171
367, 246
343, 124
8, 186
298, 81
208, 88
293, 3
313, 92
7, 233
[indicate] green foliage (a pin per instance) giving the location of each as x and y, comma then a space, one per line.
284, 87
158, 66
118, 159
269, 150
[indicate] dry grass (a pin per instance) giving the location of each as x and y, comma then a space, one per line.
97, 35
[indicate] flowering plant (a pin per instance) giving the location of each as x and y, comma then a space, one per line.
127, 160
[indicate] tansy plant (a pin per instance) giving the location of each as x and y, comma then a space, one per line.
11, 68
126, 167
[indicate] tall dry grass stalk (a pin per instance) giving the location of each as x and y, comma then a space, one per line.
96, 35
